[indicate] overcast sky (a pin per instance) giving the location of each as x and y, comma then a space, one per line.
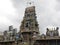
12, 12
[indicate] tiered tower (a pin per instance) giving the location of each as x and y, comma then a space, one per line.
29, 26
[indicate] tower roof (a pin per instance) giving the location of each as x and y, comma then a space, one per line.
30, 9
29, 23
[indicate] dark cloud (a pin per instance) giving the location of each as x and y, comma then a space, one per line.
46, 11
58, 5
58, 0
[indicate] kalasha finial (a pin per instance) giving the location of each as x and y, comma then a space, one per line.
31, 3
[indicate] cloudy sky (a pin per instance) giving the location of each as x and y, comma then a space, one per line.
12, 12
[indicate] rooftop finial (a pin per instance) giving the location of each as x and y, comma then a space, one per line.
30, 3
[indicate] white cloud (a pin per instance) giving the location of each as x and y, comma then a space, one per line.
7, 11
6, 6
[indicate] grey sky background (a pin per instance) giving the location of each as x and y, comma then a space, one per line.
12, 12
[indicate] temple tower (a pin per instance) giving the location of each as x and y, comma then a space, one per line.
29, 25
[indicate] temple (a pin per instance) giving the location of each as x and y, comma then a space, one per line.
29, 33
